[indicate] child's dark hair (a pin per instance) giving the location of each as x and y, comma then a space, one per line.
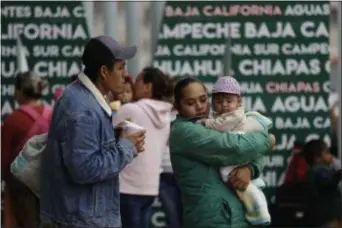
161, 83
30, 84
181, 84
313, 149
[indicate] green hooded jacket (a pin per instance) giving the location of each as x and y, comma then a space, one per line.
197, 153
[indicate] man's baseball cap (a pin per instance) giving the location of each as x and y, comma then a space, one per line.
103, 48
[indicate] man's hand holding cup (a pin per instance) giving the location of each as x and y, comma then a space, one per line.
134, 133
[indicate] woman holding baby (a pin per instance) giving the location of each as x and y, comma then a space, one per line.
208, 202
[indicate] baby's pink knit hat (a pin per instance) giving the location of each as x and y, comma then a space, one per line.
227, 84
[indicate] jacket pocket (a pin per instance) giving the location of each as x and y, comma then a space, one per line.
105, 198
98, 199
226, 211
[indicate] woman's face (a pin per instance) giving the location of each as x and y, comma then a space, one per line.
142, 89
194, 102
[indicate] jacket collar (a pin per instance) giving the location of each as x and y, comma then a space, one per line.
183, 118
97, 94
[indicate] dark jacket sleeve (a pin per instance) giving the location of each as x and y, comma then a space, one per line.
87, 159
325, 180
256, 167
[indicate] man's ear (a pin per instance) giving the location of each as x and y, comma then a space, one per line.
103, 72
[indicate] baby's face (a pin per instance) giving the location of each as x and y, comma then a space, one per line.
225, 102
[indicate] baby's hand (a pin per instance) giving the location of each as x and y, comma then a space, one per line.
201, 121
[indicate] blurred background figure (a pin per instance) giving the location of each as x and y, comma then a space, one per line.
127, 95
333, 114
139, 180
31, 118
324, 208
310, 195
169, 193
297, 168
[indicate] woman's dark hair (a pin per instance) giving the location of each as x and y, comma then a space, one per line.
162, 87
313, 149
30, 84
181, 84
175, 79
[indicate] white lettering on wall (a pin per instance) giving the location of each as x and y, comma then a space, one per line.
46, 31
193, 68
256, 31
56, 68
271, 67
201, 30
301, 103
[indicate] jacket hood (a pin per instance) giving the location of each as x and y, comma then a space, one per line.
157, 111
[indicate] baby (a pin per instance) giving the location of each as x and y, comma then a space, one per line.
230, 116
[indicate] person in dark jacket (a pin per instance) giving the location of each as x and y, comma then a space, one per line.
324, 179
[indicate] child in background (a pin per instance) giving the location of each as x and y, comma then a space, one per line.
127, 95
117, 100
230, 116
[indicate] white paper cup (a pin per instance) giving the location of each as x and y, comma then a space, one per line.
131, 128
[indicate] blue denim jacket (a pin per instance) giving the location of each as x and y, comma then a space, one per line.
80, 167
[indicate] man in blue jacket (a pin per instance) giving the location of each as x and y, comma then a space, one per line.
83, 157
